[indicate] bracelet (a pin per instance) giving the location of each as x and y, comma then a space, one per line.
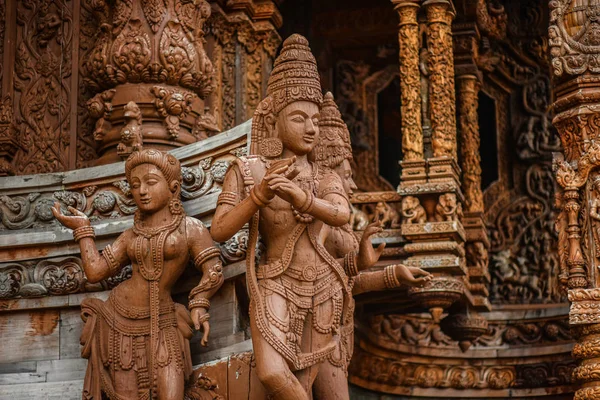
389, 277
350, 264
203, 318
200, 302
205, 255
256, 198
308, 203
83, 232
229, 198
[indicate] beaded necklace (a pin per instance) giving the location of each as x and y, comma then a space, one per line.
155, 239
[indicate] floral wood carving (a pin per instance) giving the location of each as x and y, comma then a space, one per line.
127, 52
106, 201
56, 277
173, 105
42, 89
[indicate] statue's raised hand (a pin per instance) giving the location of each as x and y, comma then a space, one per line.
276, 169
77, 220
367, 255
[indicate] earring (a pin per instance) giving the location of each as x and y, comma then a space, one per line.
271, 147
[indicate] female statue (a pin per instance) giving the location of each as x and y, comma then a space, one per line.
137, 342
297, 289
334, 151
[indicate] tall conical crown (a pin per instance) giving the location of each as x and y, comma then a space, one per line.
334, 138
295, 76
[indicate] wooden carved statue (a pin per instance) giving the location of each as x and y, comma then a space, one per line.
447, 209
335, 152
297, 290
131, 133
412, 211
137, 342
387, 215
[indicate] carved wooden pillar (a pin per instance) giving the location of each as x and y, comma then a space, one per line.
150, 53
410, 82
468, 100
477, 243
442, 97
574, 45
431, 187
413, 164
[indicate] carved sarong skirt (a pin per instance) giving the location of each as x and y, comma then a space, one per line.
118, 344
291, 297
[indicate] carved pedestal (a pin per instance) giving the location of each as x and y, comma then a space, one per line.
431, 224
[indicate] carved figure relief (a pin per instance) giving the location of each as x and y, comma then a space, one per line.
131, 133
137, 342
412, 211
387, 215
447, 208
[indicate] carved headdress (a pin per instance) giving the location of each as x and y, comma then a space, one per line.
334, 138
294, 78
165, 162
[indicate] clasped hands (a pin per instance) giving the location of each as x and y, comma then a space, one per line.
278, 182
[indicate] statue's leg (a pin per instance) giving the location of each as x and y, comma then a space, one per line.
331, 383
271, 368
318, 335
170, 382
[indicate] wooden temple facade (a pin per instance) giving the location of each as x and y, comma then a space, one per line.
474, 127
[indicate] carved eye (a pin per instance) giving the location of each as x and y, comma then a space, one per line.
298, 119
152, 182
135, 185
315, 121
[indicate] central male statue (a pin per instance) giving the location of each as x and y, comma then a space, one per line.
297, 290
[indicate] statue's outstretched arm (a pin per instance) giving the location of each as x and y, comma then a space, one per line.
96, 266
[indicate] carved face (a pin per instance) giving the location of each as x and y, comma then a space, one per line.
297, 127
149, 188
344, 170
